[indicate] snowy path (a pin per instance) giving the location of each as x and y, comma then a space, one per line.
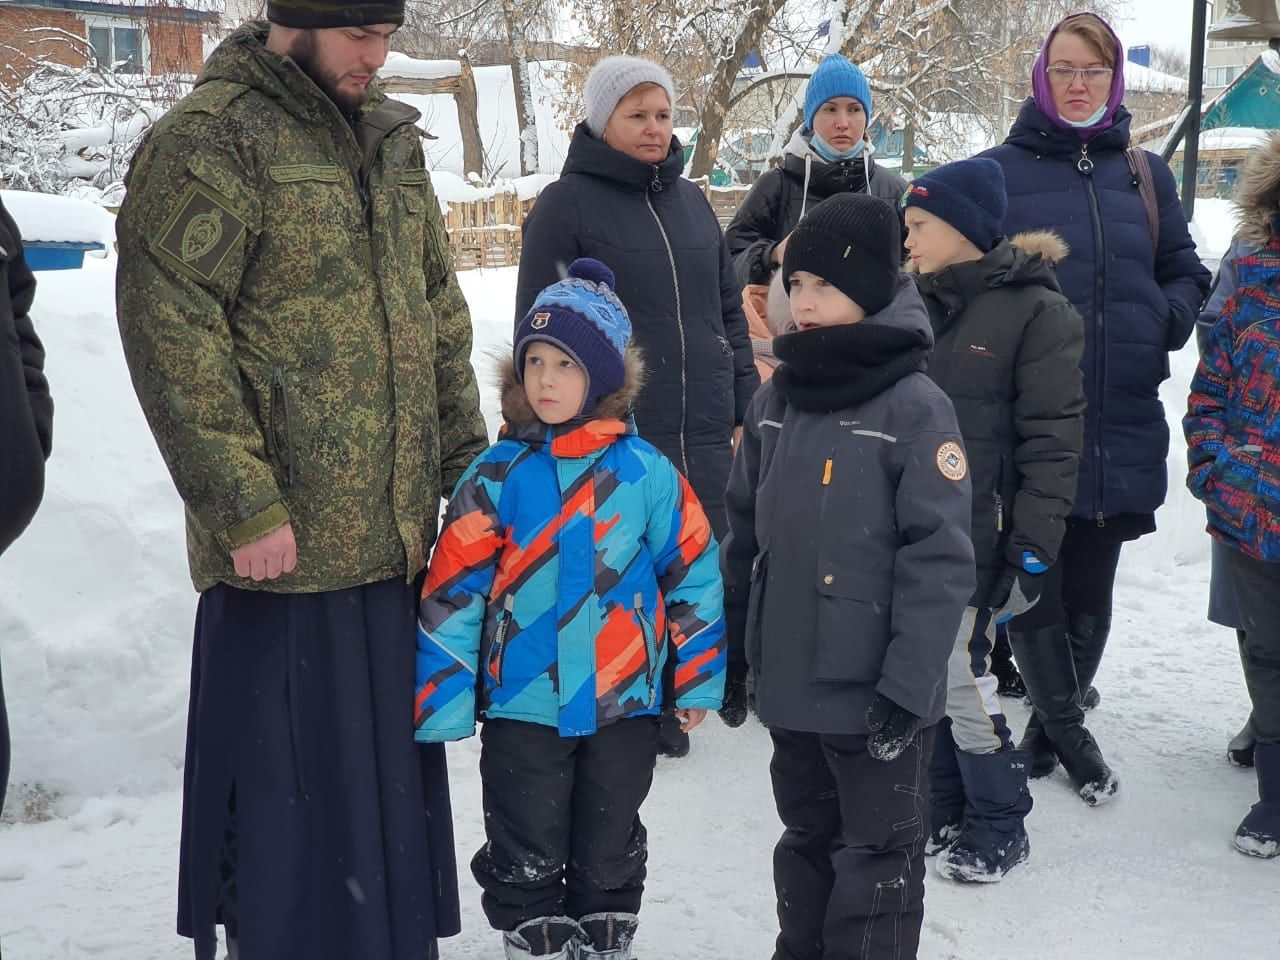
97, 686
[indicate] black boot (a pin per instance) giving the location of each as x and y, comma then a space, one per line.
1042, 759
1088, 635
1044, 656
672, 741
1240, 748
946, 792
1259, 833
1004, 669
993, 840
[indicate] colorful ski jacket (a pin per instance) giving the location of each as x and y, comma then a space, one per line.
1233, 417
575, 584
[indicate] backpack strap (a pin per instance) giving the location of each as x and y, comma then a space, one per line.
784, 207
1140, 167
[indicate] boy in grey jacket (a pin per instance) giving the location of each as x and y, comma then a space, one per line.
847, 567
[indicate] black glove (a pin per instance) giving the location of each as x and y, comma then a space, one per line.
892, 728
734, 710
1018, 588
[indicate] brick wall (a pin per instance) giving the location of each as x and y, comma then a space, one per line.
31, 34
28, 35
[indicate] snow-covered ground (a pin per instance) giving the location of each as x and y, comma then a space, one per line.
95, 621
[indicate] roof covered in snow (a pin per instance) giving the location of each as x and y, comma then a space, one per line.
43, 217
1140, 79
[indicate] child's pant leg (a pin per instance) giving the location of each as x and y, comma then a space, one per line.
527, 773
804, 791
1257, 590
978, 723
608, 847
849, 870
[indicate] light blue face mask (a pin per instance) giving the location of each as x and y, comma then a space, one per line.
1088, 121
830, 153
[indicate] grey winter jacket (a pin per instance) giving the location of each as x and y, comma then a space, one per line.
848, 562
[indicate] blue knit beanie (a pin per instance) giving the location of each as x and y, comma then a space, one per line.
835, 77
583, 317
968, 194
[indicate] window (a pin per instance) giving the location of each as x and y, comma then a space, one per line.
116, 47
1221, 76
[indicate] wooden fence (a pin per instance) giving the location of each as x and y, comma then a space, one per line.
487, 233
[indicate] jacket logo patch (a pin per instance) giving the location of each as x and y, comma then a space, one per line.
951, 461
540, 320
201, 234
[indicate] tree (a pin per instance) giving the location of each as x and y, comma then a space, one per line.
518, 16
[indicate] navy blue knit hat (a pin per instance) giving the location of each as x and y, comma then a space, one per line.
583, 317
968, 194
835, 77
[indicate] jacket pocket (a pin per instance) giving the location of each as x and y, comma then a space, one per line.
498, 646
650, 647
753, 639
1233, 493
853, 623
998, 505
279, 426
274, 391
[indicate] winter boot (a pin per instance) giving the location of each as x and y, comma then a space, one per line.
994, 839
672, 741
1042, 758
1241, 747
1088, 635
553, 938
946, 792
1259, 833
608, 936
1045, 657
1004, 669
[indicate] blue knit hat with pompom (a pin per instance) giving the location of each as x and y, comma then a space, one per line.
583, 317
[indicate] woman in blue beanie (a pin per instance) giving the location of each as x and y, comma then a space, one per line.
829, 155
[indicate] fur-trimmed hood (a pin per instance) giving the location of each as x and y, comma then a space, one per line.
1045, 244
612, 406
1257, 198
1026, 260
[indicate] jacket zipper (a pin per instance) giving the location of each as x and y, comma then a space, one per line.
280, 401
498, 647
1085, 166
650, 645
655, 186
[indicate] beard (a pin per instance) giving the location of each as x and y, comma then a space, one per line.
304, 53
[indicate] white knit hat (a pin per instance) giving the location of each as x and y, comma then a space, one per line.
612, 79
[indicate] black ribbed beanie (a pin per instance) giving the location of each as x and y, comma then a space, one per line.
854, 242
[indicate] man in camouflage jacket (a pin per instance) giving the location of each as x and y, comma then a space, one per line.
301, 349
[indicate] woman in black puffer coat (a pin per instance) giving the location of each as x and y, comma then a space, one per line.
621, 199
827, 156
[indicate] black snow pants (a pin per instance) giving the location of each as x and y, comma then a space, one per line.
562, 820
849, 869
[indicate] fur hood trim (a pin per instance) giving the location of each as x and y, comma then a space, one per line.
612, 406
1258, 194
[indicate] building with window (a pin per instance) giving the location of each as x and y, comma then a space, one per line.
1226, 60
122, 36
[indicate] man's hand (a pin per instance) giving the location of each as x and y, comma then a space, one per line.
689, 717
267, 557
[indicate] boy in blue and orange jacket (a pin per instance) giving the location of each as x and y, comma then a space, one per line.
1233, 454
577, 577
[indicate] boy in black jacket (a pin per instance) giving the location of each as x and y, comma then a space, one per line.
26, 414
847, 568
1007, 352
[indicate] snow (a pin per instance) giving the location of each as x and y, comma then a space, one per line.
401, 65
95, 624
1232, 138
42, 216
451, 188
1140, 79
1213, 227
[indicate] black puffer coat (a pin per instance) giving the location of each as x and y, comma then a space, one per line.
658, 234
1007, 348
776, 201
26, 411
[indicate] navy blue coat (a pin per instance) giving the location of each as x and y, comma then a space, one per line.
658, 234
1138, 304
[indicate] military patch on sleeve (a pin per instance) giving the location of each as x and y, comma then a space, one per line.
200, 233
951, 461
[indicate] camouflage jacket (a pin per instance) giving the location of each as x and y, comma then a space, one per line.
295, 334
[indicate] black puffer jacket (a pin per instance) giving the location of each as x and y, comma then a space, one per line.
773, 207
26, 410
1007, 353
658, 234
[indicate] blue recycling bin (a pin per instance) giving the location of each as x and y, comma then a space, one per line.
57, 255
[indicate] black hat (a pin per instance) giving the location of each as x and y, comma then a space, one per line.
852, 241
320, 14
